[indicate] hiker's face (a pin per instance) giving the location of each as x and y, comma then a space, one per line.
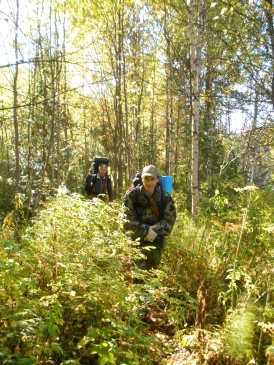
149, 183
102, 171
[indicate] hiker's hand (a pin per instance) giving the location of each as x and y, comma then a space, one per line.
151, 236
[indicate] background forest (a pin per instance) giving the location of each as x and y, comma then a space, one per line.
185, 85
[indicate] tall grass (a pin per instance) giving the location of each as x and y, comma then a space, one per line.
67, 292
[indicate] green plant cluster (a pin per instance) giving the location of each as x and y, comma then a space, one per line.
7, 193
68, 295
229, 254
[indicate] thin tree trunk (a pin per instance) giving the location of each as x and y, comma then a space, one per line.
195, 59
253, 145
269, 16
118, 103
169, 108
15, 102
57, 81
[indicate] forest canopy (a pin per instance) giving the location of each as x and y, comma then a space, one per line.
185, 86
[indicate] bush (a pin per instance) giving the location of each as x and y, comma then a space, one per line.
67, 295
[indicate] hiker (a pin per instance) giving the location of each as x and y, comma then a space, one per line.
100, 184
141, 206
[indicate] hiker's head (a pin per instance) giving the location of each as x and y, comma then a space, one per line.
102, 170
150, 177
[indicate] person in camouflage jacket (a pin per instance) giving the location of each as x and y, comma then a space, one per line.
141, 221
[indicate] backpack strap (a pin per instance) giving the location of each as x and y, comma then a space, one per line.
108, 180
153, 205
93, 179
161, 205
158, 211
90, 179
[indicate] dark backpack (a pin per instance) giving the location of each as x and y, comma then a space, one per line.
138, 179
92, 176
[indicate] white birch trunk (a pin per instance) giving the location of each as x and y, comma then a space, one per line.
195, 31
172, 128
170, 124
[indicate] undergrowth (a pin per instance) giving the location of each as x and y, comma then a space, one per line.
67, 293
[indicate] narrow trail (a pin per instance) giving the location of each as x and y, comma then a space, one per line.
163, 330
176, 354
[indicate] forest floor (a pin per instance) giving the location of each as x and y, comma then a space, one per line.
175, 353
164, 331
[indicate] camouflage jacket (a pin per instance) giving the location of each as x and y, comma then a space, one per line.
140, 217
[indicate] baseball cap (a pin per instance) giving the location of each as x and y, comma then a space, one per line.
150, 171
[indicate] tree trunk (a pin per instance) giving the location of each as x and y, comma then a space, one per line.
269, 16
118, 103
195, 37
15, 102
169, 107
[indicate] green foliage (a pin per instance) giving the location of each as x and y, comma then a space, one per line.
14, 220
67, 294
231, 249
240, 331
7, 194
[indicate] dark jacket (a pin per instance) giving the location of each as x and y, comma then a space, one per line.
101, 187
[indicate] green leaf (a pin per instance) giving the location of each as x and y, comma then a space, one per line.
183, 342
104, 354
84, 341
21, 324
57, 348
27, 361
53, 330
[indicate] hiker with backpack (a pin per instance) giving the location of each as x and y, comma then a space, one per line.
98, 183
150, 215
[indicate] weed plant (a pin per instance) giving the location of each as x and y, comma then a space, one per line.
231, 251
67, 294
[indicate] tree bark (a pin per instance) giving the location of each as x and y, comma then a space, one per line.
269, 17
15, 103
195, 32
